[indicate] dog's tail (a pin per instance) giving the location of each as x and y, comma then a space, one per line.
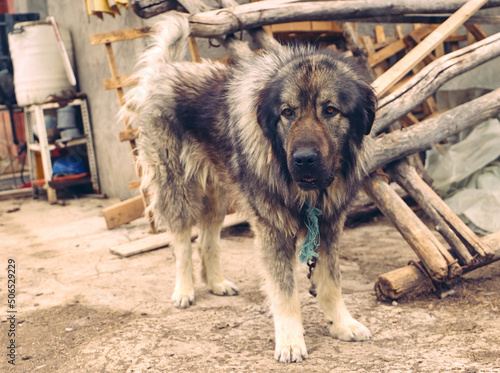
169, 41
169, 44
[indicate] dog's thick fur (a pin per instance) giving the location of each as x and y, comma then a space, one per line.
273, 132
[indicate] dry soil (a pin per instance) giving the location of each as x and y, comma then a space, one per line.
82, 309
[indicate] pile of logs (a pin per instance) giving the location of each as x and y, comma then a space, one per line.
403, 99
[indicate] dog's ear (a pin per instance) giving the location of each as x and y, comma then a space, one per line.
267, 112
370, 108
365, 110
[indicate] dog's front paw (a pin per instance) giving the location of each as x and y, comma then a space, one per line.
350, 330
223, 288
291, 352
182, 299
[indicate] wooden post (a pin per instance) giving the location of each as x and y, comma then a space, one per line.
420, 238
446, 221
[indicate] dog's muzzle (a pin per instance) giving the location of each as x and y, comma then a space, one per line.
308, 171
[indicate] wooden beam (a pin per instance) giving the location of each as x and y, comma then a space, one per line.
477, 31
129, 134
120, 35
399, 45
124, 212
161, 240
429, 19
407, 177
149, 8
411, 280
120, 82
427, 81
222, 22
395, 145
419, 237
417, 54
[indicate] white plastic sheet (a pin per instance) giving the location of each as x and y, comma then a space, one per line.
466, 170
467, 175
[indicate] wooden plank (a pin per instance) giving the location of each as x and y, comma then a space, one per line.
388, 40
477, 31
113, 67
164, 239
129, 134
386, 52
455, 38
379, 34
120, 35
399, 45
193, 50
124, 212
15, 193
410, 60
119, 82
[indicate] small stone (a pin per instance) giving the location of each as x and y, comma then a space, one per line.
394, 303
69, 329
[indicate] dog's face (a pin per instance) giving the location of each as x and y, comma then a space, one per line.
315, 110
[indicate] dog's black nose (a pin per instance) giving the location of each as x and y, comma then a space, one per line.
305, 157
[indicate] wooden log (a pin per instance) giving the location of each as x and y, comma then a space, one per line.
149, 8
352, 39
429, 19
417, 54
428, 80
259, 35
402, 282
408, 178
433, 204
217, 23
392, 146
418, 236
411, 280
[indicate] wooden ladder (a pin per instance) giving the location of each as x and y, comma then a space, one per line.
132, 208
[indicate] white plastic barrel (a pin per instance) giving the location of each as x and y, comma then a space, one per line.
38, 65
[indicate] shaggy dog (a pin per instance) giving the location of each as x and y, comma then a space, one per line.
283, 133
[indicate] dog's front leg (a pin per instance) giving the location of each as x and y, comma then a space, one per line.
183, 295
326, 278
278, 253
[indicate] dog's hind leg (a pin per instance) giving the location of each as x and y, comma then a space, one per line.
326, 277
278, 254
210, 227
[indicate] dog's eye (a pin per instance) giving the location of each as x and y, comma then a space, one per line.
330, 111
287, 113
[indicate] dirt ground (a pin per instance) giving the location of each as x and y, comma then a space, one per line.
82, 309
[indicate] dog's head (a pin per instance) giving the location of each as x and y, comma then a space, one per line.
316, 111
